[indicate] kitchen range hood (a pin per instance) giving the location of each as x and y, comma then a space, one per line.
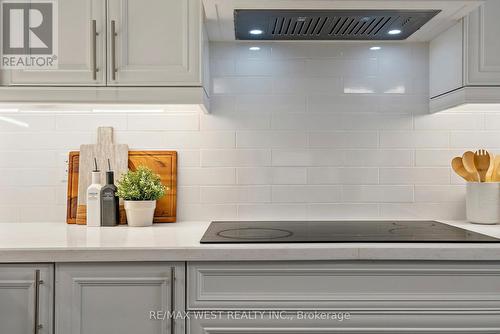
277, 24
284, 20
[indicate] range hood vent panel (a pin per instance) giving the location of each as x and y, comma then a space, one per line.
277, 24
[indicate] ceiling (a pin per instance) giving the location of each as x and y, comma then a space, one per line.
220, 13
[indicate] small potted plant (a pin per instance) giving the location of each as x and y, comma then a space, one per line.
140, 190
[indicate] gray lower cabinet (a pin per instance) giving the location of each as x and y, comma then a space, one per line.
380, 296
307, 322
26, 298
124, 298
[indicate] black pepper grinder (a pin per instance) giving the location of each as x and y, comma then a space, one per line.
109, 201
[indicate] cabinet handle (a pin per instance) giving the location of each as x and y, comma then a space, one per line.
113, 50
36, 311
94, 50
172, 300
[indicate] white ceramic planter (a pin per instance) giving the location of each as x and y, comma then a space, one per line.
483, 202
140, 213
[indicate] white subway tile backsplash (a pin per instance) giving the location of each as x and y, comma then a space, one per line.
188, 158
9, 214
347, 103
305, 85
236, 121
272, 211
379, 158
446, 211
235, 194
51, 213
341, 66
435, 158
440, 194
342, 211
333, 175
268, 139
414, 139
188, 195
28, 177
36, 159
206, 212
475, 140
449, 121
308, 157
237, 158
492, 121
420, 175
89, 122
242, 85
296, 131
275, 175
14, 122
377, 194
206, 176
44, 141
276, 103
344, 139
266, 67
175, 122
306, 194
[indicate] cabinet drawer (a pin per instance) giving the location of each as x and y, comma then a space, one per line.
343, 285
356, 323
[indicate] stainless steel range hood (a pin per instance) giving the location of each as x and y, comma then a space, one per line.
278, 24
421, 20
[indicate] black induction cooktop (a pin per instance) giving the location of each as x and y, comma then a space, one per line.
338, 231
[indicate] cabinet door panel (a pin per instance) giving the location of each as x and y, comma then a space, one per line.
117, 298
157, 42
483, 43
337, 322
17, 298
349, 285
75, 48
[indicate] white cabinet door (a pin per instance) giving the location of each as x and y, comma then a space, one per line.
483, 51
446, 61
76, 49
23, 300
118, 297
156, 42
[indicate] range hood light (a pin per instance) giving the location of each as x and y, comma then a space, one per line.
254, 48
394, 32
255, 32
375, 48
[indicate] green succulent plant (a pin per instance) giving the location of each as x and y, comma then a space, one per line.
140, 185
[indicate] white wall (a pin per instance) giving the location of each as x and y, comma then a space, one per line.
298, 131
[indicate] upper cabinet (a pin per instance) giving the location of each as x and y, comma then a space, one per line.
81, 48
465, 62
482, 55
154, 42
120, 51
129, 43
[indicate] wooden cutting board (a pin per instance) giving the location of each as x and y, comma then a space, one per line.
104, 149
163, 163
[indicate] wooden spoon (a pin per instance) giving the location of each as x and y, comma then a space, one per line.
482, 161
459, 168
490, 174
468, 162
495, 175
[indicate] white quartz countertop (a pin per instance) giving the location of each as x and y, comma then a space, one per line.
58, 242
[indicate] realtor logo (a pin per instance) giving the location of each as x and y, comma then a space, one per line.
29, 34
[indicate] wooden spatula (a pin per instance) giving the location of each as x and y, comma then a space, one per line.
469, 165
459, 168
482, 162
